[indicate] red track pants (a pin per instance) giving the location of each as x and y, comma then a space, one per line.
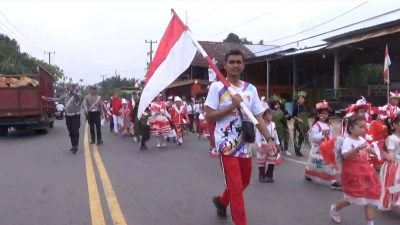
237, 173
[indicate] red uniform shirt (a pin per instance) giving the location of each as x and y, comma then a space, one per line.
178, 115
116, 104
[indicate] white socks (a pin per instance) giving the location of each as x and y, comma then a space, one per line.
370, 222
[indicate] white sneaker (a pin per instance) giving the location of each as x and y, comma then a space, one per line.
213, 152
164, 145
287, 153
334, 214
158, 145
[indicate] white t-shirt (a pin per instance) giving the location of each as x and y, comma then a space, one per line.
260, 140
393, 143
190, 109
197, 108
60, 107
227, 132
349, 144
318, 130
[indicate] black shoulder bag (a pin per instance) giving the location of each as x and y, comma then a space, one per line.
248, 131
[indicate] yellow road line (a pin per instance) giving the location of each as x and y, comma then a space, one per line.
96, 211
112, 201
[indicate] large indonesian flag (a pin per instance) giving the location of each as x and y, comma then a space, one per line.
174, 55
386, 66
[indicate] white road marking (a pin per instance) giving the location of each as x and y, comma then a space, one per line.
296, 161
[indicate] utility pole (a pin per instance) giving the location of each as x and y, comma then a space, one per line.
49, 53
151, 42
103, 76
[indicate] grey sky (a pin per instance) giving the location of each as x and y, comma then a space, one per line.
92, 38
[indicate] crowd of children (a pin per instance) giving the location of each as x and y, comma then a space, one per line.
369, 139
166, 121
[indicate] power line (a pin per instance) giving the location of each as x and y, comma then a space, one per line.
208, 13
15, 28
7, 29
252, 19
318, 25
330, 31
22, 39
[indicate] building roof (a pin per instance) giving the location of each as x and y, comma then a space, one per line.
379, 22
261, 50
305, 50
218, 50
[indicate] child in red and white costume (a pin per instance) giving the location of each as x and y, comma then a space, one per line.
266, 157
179, 116
125, 119
362, 108
390, 171
376, 131
359, 181
159, 123
317, 170
204, 132
391, 109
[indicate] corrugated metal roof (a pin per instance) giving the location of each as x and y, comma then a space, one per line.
361, 37
305, 50
260, 50
374, 23
383, 20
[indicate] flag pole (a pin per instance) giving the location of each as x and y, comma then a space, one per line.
387, 90
219, 74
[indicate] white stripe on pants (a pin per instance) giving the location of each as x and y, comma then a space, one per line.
116, 124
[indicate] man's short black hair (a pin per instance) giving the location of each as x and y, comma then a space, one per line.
233, 52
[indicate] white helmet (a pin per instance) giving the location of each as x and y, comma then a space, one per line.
177, 99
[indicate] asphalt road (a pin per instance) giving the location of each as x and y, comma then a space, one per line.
42, 182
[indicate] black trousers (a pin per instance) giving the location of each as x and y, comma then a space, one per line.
94, 121
191, 122
111, 123
145, 135
270, 171
196, 121
73, 125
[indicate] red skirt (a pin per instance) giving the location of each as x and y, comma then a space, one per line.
390, 181
204, 128
159, 125
360, 183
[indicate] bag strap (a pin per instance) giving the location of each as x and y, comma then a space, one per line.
240, 114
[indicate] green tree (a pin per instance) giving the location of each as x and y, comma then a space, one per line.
234, 38
364, 75
12, 61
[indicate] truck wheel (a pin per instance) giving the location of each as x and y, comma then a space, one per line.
3, 131
43, 131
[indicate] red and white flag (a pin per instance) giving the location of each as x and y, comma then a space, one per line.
173, 56
386, 76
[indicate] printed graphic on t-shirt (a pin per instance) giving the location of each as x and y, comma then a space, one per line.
228, 132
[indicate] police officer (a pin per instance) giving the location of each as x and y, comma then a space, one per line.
73, 103
93, 110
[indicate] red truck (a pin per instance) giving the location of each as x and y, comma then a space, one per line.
23, 107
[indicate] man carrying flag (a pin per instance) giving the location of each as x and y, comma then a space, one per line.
235, 153
175, 53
